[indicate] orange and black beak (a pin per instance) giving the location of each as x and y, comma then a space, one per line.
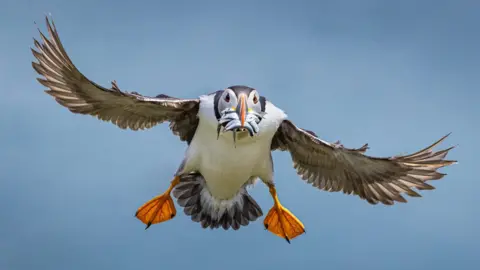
242, 108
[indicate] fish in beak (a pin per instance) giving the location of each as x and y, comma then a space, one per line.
239, 118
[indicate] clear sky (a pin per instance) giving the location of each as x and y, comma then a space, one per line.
396, 74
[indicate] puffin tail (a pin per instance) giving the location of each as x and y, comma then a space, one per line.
197, 202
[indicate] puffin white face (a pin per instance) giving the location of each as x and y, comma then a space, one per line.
239, 109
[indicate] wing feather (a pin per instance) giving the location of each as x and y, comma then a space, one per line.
71, 89
332, 167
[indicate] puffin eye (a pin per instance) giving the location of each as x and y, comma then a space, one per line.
255, 100
227, 98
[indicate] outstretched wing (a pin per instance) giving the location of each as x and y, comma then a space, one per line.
73, 90
334, 168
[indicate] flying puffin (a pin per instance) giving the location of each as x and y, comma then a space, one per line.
230, 135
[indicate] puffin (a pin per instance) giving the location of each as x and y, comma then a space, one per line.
230, 135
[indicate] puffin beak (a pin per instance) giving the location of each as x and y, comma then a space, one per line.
239, 119
242, 108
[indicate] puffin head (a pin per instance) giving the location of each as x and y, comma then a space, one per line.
239, 109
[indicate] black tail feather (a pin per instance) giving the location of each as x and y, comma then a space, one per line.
198, 203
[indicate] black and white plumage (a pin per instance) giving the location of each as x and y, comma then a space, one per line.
239, 212
231, 134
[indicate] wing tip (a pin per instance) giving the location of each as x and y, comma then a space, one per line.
443, 138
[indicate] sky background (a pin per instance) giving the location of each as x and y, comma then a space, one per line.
396, 74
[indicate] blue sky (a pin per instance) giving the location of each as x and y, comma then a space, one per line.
395, 74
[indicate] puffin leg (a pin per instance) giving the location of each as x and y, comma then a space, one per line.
158, 209
280, 221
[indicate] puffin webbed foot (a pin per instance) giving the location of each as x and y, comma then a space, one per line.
159, 209
281, 222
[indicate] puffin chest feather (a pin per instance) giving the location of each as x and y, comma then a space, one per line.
226, 167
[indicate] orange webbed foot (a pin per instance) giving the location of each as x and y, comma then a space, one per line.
158, 209
280, 221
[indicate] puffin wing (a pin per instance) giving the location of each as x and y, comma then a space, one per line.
73, 90
334, 168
